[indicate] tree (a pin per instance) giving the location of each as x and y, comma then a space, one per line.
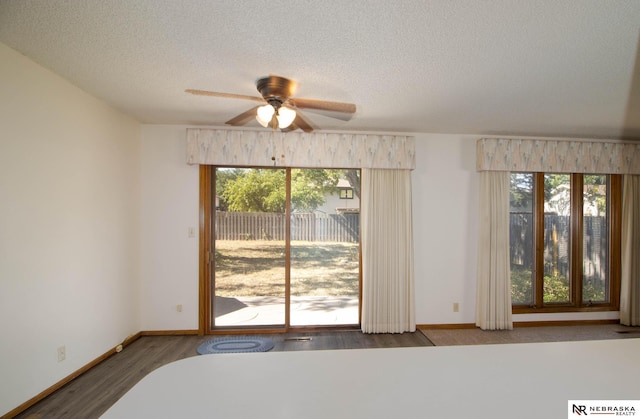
264, 190
222, 177
521, 195
256, 190
557, 193
353, 176
309, 187
595, 192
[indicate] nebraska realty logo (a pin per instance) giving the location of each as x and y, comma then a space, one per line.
603, 407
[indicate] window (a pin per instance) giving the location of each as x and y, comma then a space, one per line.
564, 241
346, 193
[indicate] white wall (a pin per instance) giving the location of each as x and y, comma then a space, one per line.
68, 228
445, 228
169, 208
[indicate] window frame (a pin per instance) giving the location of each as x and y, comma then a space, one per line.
576, 252
346, 193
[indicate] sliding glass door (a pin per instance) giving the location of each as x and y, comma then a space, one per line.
286, 248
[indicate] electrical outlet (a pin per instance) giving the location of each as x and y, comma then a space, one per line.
62, 353
179, 308
191, 232
456, 307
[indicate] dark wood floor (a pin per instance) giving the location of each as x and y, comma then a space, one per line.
91, 394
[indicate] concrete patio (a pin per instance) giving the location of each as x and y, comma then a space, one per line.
305, 311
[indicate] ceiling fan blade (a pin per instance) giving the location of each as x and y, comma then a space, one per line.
290, 128
302, 123
323, 105
244, 117
329, 114
225, 95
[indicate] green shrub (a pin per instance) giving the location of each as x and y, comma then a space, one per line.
521, 286
556, 287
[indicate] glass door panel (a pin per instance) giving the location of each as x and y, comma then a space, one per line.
325, 247
249, 247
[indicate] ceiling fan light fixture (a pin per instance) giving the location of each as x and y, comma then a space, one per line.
285, 116
265, 115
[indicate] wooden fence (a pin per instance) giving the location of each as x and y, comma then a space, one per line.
271, 226
556, 244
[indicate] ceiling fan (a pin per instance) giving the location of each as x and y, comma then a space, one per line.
281, 109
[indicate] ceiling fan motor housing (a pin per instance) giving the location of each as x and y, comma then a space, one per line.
276, 90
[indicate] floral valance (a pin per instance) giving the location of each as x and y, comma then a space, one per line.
559, 156
299, 149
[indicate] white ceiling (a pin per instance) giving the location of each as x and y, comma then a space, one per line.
565, 68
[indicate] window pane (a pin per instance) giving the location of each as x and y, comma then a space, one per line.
249, 284
521, 247
557, 244
595, 244
325, 247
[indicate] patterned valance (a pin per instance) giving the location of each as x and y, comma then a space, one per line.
558, 156
299, 149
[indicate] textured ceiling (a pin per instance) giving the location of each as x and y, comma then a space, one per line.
537, 67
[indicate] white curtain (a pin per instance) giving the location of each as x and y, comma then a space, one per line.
493, 299
387, 252
630, 275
